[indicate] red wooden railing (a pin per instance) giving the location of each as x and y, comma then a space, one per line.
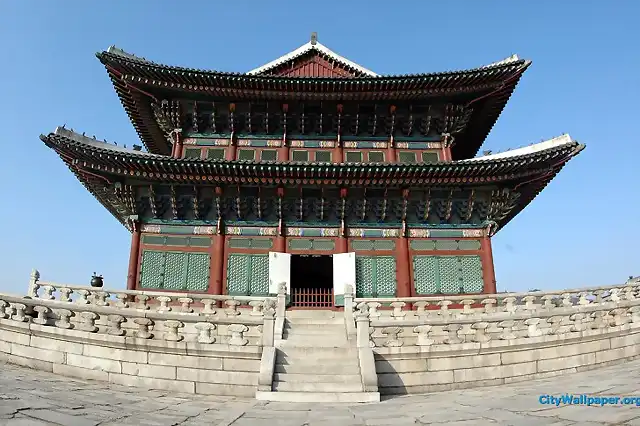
312, 297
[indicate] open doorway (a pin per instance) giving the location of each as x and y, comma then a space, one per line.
312, 281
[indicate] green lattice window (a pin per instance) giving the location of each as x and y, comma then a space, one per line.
376, 156
373, 245
406, 157
323, 156
445, 245
248, 274
353, 157
215, 153
170, 270
192, 153
269, 155
247, 154
250, 243
375, 276
447, 274
163, 240
430, 157
298, 155
311, 244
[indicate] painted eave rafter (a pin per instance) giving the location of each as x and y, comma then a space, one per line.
89, 160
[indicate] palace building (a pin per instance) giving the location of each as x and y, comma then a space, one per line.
311, 171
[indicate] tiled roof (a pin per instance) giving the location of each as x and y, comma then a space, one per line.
139, 81
118, 160
307, 48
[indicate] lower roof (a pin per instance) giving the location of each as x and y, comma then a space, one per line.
99, 165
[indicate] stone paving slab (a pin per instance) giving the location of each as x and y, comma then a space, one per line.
35, 398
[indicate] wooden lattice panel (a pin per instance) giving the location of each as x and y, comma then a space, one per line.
248, 274
172, 270
375, 276
447, 274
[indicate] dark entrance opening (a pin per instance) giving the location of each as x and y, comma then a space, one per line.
311, 281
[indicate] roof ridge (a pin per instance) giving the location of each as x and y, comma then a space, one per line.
309, 47
116, 51
93, 141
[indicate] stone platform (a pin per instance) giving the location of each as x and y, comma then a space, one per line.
31, 397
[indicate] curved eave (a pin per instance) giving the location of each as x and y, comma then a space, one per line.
101, 157
130, 64
530, 188
97, 165
129, 74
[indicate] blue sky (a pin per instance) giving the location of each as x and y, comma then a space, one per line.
582, 230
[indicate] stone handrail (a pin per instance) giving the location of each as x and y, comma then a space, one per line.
437, 306
418, 351
516, 321
222, 327
189, 303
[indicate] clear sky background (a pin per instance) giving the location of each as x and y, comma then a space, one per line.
582, 230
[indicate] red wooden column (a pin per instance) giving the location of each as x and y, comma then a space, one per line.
338, 151
445, 151
216, 265
132, 274
391, 149
403, 263
178, 144
233, 147
342, 245
488, 273
280, 243
283, 151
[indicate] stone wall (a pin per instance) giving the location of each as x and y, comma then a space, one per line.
498, 339
225, 345
214, 353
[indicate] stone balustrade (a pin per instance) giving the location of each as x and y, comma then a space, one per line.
408, 345
157, 301
510, 337
466, 305
208, 350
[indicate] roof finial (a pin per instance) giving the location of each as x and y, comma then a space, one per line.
314, 38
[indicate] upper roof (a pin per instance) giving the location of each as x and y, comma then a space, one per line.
311, 47
141, 83
98, 164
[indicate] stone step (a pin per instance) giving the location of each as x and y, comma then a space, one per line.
325, 364
315, 367
302, 352
311, 397
311, 361
316, 387
314, 321
317, 378
299, 344
314, 328
313, 313
315, 338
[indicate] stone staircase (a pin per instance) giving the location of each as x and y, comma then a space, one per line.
315, 362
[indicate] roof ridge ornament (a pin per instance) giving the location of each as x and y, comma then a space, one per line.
314, 38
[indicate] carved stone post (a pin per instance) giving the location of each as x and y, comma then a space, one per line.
348, 311
362, 330
281, 306
268, 327
32, 291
